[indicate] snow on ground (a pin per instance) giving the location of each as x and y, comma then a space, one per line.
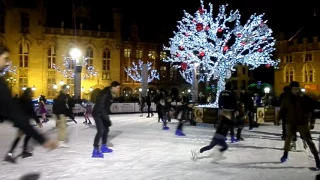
142, 151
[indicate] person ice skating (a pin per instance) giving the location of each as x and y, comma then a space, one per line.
71, 105
248, 105
297, 111
148, 100
11, 109
219, 136
228, 102
141, 104
166, 108
286, 91
26, 104
60, 111
182, 114
101, 117
87, 112
240, 118
43, 110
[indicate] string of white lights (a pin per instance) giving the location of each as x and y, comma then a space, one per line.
135, 72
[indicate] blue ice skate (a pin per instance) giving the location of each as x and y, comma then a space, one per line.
283, 159
105, 149
165, 128
180, 133
97, 154
233, 140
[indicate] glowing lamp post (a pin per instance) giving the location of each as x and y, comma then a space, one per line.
266, 90
75, 54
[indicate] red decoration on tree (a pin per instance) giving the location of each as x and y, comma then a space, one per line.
184, 66
225, 48
201, 11
239, 35
181, 47
260, 50
243, 43
194, 20
262, 23
220, 30
264, 39
207, 28
186, 34
199, 27
268, 65
178, 55
201, 54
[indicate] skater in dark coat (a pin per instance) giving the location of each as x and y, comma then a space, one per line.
182, 114
102, 120
11, 109
220, 135
240, 118
26, 104
228, 102
286, 91
165, 111
297, 111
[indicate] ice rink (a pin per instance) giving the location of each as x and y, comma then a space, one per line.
143, 151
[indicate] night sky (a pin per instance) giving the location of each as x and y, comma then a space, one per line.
155, 18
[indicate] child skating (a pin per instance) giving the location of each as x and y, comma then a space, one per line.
219, 137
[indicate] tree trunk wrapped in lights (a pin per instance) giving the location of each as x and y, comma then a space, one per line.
135, 72
217, 45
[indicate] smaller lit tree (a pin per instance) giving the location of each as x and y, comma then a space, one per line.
135, 72
68, 65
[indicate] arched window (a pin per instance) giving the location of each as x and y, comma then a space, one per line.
89, 55
308, 72
51, 57
288, 73
106, 63
23, 54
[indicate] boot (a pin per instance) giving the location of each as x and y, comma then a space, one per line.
26, 154
284, 158
239, 138
105, 149
179, 133
9, 158
165, 128
96, 153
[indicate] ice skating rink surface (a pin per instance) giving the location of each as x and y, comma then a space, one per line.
143, 151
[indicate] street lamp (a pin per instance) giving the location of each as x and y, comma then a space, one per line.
303, 90
61, 82
76, 57
266, 90
24, 88
33, 88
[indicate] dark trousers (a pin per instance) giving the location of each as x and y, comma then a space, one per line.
149, 110
240, 125
164, 119
232, 124
180, 125
304, 132
251, 123
102, 132
284, 129
17, 140
214, 142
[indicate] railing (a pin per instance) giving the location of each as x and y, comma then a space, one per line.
79, 32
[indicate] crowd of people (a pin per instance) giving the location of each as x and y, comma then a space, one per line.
296, 113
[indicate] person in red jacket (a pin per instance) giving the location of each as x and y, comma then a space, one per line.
12, 110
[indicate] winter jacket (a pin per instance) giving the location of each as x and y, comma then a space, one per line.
247, 101
166, 107
297, 110
182, 112
13, 111
228, 100
60, 105
223, 126
27, 105
102, 106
